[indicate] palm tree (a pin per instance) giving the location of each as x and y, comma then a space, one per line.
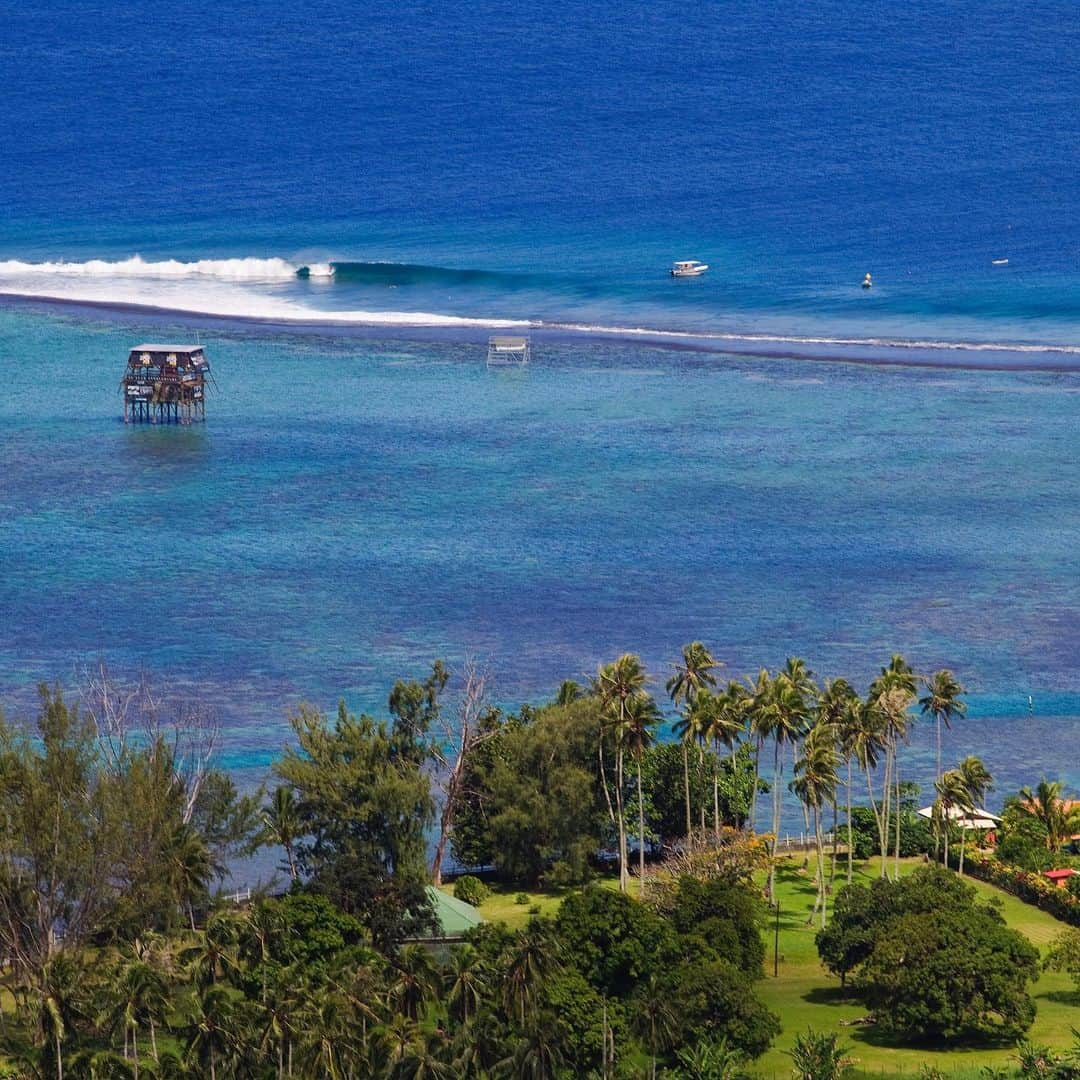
189, 867
785, 716
537, 1053
978, 781
817, 1056
832, 707
282, 824
654, 1017
815, 784
850, 733
721, 718
694, 675
759, 717
466, 983
952, 794
617, 683
942, 702
214, 956
58, 1005
892, 693
1059, 816
531, 958
210, 1038
710, 1061
636, 737
413, 979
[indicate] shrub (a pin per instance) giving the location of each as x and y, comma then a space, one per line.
471, 890
521, 898
819, 1057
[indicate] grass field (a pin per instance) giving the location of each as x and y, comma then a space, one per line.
805, 995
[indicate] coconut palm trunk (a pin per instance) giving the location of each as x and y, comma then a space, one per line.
686, 785
641, 830
778, 765
850, 840
624, 876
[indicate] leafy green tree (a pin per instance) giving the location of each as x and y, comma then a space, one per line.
1064, 955
706, 1060
714, 1001
614, 940
953, 794
951, 973
364, 803
535, 808
863, 913
718, 920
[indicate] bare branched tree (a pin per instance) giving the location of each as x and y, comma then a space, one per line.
461, 733
148, 714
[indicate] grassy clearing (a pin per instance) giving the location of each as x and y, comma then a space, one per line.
805, 995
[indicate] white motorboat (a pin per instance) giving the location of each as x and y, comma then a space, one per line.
688, 268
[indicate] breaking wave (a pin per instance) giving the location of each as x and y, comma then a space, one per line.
256, 289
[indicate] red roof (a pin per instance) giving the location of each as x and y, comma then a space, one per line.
1060, 875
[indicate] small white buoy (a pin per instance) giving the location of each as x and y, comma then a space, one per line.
867, 282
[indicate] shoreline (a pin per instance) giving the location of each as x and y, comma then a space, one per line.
870, 351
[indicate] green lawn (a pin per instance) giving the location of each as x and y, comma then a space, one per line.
805, 995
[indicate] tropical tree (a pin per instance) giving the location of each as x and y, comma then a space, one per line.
693, 675
412, 981
978, 781
654, 1018
1058, 815
892, 694
721, 718
833, 705
942, 702
635, 736
815, 784
952, 794
782, 712
617, 683
531, 958
282, 825
210, 1035
466, 981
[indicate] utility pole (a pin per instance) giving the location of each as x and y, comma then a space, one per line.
776, 944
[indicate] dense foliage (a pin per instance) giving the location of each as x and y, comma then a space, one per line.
930, 960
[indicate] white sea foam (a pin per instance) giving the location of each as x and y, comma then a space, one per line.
137, 267
216, 287
320, 270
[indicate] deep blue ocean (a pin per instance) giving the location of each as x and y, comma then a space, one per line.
343, 202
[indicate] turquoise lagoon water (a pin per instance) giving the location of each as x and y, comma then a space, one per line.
355, 507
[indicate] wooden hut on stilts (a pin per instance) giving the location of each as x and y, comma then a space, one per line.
165, 384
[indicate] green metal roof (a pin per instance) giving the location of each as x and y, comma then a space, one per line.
454, 916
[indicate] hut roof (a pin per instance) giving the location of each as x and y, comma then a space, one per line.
454, 916
187, 350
